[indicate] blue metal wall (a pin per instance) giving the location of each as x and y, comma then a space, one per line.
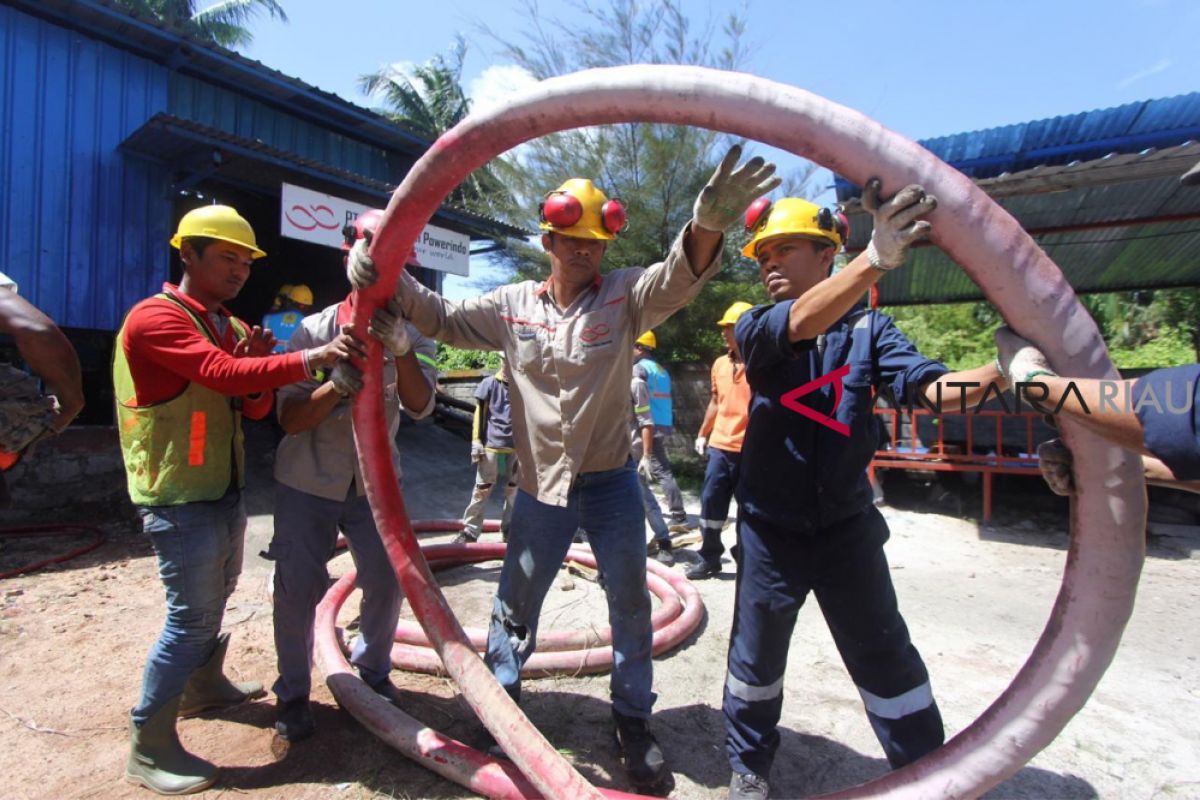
83, 227
242, 116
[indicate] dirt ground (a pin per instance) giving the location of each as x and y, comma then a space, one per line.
73, 640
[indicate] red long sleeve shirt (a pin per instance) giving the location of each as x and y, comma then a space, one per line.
166, 352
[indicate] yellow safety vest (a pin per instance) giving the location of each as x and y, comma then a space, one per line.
179, 450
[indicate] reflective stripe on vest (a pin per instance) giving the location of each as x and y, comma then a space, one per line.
181, 450
659, 384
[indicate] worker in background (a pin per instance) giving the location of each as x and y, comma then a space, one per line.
294, 303
318, 488
569, 346
492, 453
641, 430
806, 520
720, 438
185, 371
653, 464
29, 412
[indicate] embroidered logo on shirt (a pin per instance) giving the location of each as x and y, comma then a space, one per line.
595, 332
791, 399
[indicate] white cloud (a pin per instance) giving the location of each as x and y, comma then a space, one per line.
496, 84
1161, 66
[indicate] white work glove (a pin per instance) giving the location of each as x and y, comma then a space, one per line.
360, 269
1017, 359
388, 326
730, 192
346, 379
1055, 460
478, 453
646, 469
898, 223
701, 445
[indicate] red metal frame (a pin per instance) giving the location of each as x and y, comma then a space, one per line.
936, 458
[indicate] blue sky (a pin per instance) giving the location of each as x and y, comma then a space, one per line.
923, 69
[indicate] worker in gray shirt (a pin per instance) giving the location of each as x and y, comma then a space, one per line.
319, 487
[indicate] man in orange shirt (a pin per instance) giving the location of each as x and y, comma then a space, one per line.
721, 434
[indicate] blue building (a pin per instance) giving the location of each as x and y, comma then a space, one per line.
114, 126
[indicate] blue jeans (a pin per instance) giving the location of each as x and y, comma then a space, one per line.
199, 548
306, 529
606, 505
654, 515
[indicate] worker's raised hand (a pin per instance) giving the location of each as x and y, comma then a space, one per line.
260, 342
344, 346
360, 269
1054, 460
730, 191
346, 379
388, 326
898, 223
1018, 359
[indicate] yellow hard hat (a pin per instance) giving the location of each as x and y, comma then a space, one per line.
300, 294
285, 290
579, 209
648, 339
792, 216
733, 312
217, 222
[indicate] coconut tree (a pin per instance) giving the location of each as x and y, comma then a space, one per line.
223, 22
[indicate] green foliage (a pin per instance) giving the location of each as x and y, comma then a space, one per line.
1142, 329
224, 22
656, 170
429, 100
452, 359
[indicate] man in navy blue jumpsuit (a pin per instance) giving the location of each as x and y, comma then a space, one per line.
806, 520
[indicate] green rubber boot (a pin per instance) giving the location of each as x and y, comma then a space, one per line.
158, 761
208, 688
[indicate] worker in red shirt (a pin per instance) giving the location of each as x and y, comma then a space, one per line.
185, 371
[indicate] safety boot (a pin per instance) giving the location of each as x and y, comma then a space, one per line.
641, 755
158, 761
747, 786
208, 688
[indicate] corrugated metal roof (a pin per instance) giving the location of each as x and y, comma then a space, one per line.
1118, 221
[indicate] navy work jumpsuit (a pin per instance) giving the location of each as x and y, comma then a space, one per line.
807, 523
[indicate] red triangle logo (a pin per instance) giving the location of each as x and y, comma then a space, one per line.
791, 399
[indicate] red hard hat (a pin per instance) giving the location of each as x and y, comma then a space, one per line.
367, 221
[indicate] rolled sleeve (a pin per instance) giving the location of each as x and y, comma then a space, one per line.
902, 367
1165, 404
425, 350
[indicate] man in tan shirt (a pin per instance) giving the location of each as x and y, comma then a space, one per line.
569, 343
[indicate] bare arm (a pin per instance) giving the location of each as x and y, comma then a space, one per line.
47, 351
710, 417
824, 304
954, 394
1159, 474
303, 413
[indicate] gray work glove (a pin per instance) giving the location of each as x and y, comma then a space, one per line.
898, 223
1055, 460
701, 445
730, 192
1017, 358
360, 269
388, 326
478, 453
646, 469
26, 415
346, 379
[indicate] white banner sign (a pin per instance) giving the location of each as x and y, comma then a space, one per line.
319, 218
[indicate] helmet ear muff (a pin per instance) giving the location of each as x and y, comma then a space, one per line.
612, 216
757, 213
560, 209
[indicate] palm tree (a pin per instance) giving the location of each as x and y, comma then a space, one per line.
223, 22
429, 100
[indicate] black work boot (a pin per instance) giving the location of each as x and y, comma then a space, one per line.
208, 688
705, 569
294, 719
747, 786
641, 755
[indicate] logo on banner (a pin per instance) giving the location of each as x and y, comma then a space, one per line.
312, 217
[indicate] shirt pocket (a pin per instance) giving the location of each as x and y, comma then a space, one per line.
530, 343
595, 338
